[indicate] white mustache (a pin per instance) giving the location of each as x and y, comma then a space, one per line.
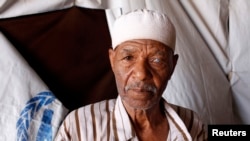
142, 86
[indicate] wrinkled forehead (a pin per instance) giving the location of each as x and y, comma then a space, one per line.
144, 44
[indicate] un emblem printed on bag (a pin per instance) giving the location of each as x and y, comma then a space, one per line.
31, 109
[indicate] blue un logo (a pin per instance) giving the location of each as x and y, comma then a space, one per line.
33, 107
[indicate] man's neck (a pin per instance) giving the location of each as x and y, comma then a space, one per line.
149, 124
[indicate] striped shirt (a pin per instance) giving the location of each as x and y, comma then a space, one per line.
108, 121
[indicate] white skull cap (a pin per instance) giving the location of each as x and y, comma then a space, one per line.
143, 24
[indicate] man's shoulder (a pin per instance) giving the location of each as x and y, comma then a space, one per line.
192, 121
188, 116
101, 105
86, 120
97, 107
184, 112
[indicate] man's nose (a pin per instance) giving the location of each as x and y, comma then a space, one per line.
141, 70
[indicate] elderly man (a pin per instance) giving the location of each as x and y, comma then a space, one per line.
143, 60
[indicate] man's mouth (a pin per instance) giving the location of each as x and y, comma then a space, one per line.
141, 88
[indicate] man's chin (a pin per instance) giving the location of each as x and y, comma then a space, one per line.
138, 104
141, 95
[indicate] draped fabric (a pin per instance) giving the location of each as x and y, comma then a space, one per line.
65, 46
69, 50
29, 110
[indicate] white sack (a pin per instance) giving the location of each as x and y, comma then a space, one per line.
29, 111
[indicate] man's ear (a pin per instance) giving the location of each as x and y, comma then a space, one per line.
175, 59
111, 57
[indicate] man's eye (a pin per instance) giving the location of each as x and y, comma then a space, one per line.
157, 60
128, 58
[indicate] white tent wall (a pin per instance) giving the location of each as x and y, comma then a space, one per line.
14, 8
200, 80
212, 75
239, 45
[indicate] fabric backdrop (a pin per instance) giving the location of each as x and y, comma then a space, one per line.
65, 42
29, 110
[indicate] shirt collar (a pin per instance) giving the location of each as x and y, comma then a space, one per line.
122, 122
125, 129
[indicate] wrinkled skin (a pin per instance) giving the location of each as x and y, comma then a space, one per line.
142, 69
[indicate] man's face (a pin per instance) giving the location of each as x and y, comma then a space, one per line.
142, 69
